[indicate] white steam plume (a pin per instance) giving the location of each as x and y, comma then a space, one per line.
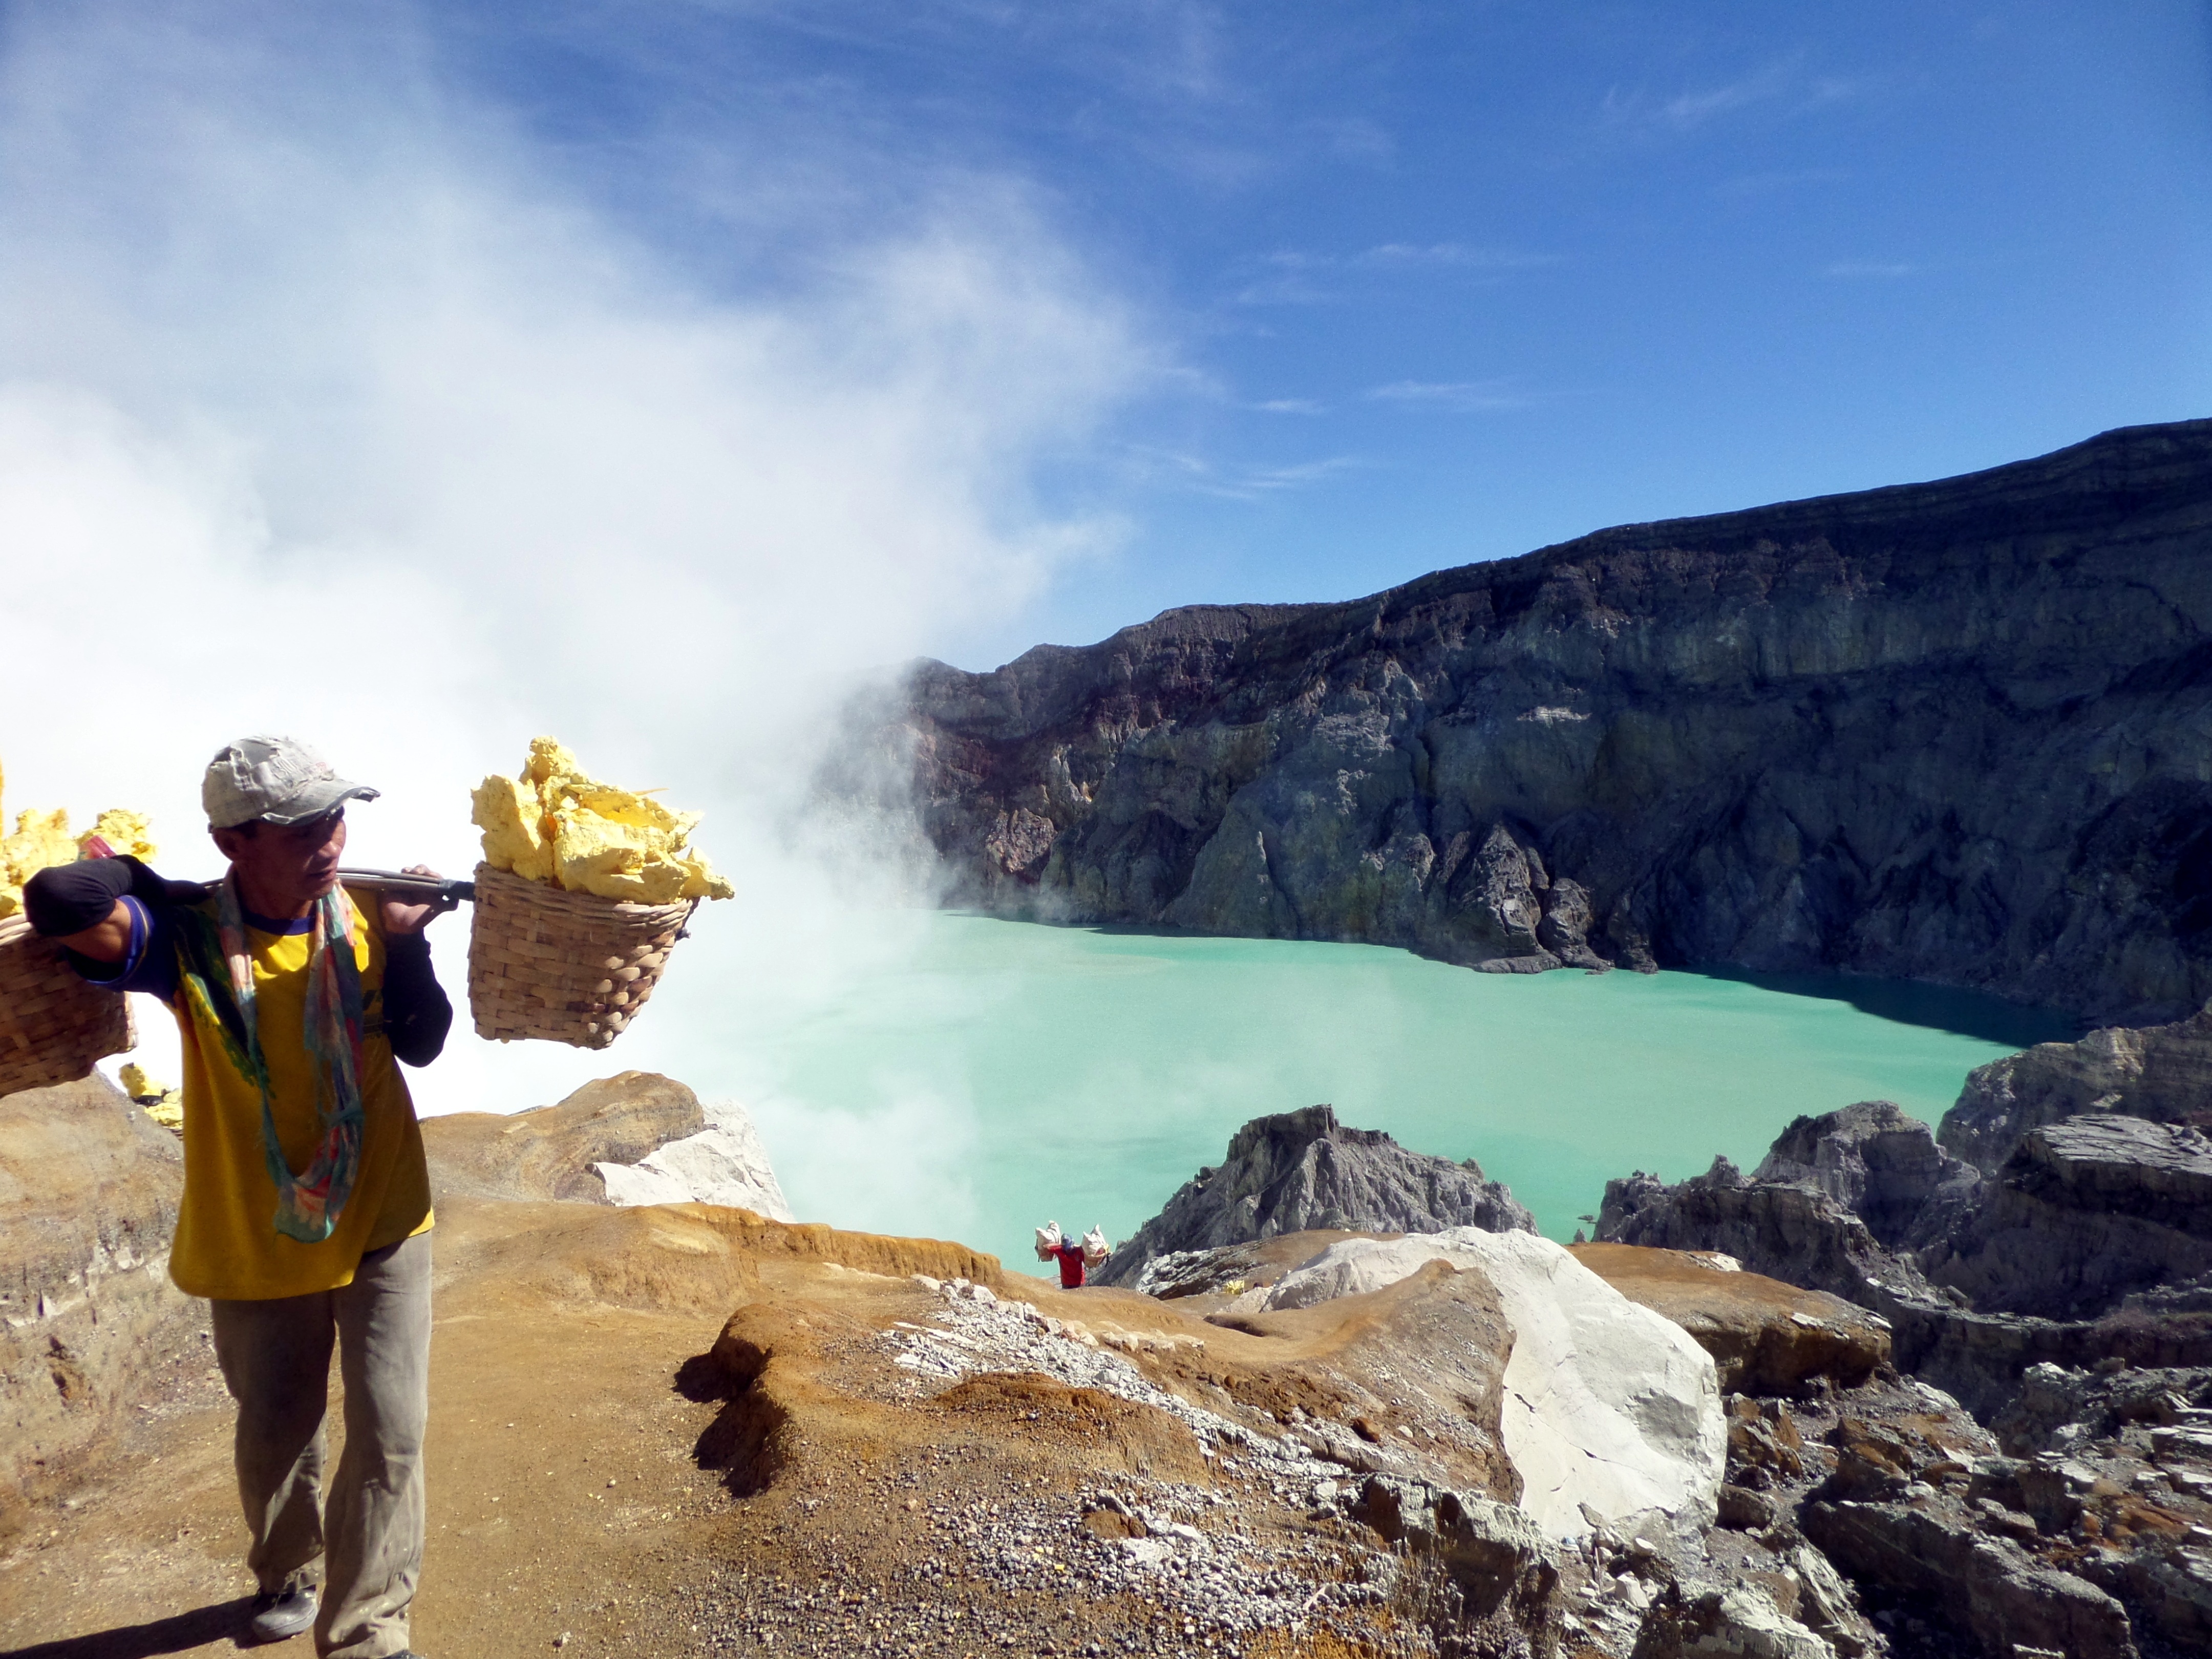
324, 408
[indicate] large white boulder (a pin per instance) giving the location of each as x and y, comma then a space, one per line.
1609, 1408
724, 1163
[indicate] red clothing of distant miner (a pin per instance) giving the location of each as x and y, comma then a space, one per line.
1070, 1265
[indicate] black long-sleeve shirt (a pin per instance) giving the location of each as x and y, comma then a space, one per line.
71, 897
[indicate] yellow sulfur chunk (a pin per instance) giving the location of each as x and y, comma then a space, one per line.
165, 1105
615, 860
507, 811
42, 840
125, 833
700, 882
550, 763
138, 1084
621, 806
558, 824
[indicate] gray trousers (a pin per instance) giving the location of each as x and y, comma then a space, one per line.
276, 1359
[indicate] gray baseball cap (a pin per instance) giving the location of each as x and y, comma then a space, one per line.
277, 779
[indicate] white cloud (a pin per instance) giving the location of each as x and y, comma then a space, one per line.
1300, 277
325, 407
1238, 480
1455, 397
1782, 82
1455, 255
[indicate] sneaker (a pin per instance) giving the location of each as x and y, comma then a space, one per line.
285, 1613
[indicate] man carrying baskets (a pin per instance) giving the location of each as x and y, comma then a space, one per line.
306, 1217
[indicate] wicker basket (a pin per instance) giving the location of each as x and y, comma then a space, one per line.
569, 968
52, 1024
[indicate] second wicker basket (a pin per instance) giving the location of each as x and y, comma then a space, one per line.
570, 968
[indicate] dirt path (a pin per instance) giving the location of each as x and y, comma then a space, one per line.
564, 1497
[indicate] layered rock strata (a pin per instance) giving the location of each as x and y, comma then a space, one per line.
2162, 1074
1297, 1171
1955, 731
1765, 1337
2093, 1240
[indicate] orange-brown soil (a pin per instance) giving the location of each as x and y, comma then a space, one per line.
682, 1431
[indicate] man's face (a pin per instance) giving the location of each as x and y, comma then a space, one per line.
288, 863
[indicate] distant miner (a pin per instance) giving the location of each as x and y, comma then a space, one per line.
1074, 1259
306, 1217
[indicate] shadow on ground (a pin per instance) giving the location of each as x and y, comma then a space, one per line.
178, 1634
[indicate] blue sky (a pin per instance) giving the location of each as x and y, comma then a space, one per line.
418, 378
1429, 283
1311, 298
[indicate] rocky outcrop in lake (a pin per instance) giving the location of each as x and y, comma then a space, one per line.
1959, 731
2163, 1074
1297, 1171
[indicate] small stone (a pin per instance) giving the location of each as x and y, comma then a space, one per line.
1745, 1510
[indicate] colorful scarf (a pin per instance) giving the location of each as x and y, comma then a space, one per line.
308, 1205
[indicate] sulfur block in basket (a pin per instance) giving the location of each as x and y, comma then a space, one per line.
557, 824
43, 839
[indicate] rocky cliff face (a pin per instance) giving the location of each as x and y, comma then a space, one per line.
1954, 731
1297, 1171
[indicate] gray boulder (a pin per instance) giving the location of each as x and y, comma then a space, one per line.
1985, 1278
1880, 1165
1297, 1171
1743, 1623
634, 1137
553, 1151
1496, 1559
1788, 1222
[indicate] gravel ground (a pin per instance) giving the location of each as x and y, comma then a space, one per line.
1258, 1564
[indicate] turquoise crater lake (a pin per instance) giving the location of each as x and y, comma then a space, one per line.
987, 1075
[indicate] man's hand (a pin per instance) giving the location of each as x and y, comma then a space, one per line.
401, 917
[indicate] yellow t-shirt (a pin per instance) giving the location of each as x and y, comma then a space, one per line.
226, 1245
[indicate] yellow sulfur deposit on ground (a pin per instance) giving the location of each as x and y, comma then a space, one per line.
558, 824
165, 1105
43, 839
